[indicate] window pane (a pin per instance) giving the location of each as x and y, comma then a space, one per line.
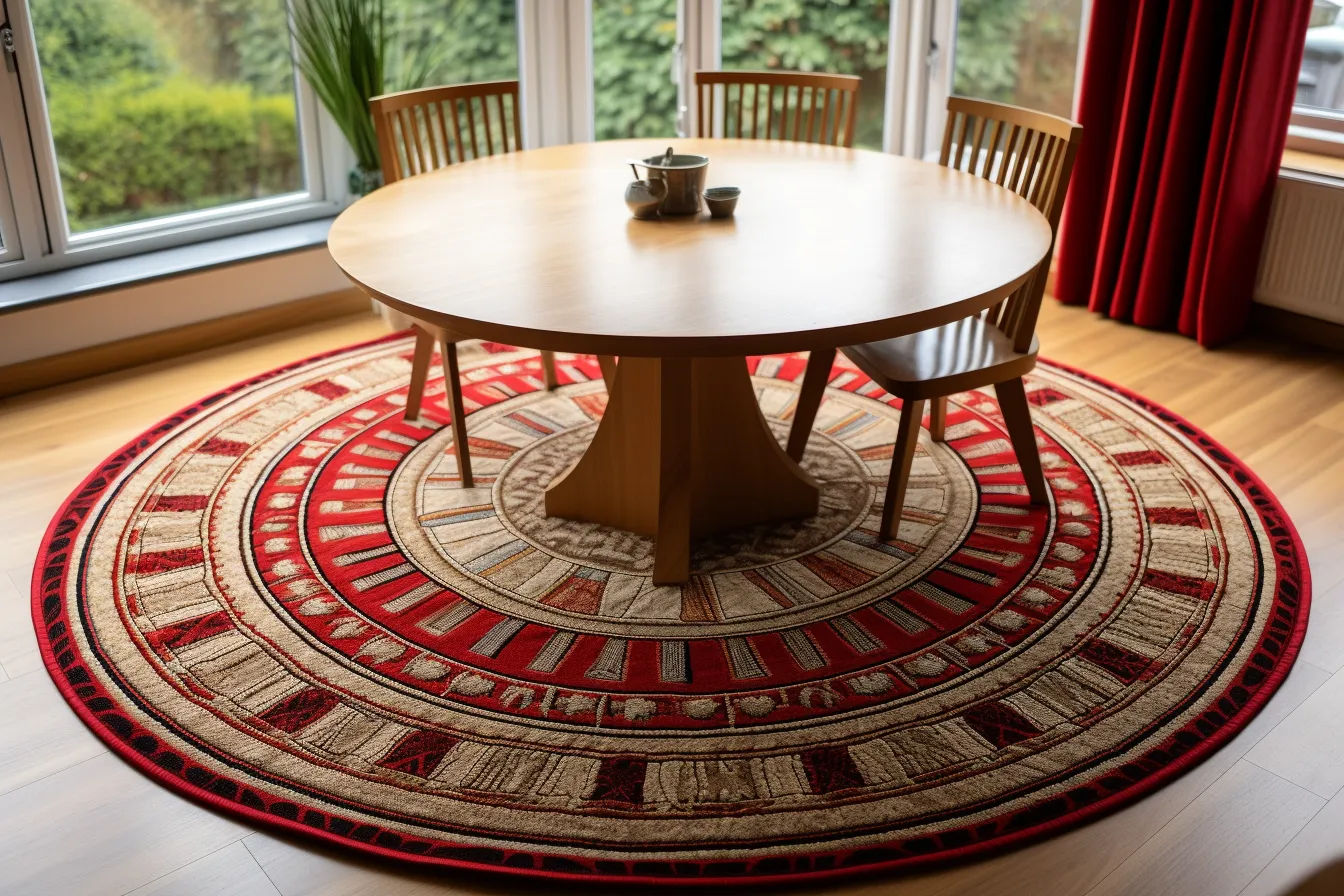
840, 37
454, 41
633, 91
166, 106
1022, 52
1321, 81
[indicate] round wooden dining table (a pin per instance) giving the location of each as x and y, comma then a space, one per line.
829, 247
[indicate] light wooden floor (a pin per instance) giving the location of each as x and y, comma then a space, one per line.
1264, 811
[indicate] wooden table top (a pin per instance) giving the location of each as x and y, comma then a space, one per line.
830, 246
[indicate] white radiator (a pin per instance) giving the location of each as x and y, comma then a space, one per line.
1302, 268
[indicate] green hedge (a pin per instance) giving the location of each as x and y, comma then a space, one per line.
130, 150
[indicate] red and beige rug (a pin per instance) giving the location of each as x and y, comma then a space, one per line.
281, 601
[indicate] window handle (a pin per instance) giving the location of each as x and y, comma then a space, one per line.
7, 43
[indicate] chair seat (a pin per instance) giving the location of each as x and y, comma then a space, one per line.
966, 354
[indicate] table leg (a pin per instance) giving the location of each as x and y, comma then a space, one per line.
682, 452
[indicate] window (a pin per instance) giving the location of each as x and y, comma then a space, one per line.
1023, 52
815, 36
129, 125
456, 41
1316, 129
634, 86
159, 107
151, 123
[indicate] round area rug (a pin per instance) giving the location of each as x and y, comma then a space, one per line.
282, 601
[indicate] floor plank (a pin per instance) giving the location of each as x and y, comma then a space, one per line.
1324, 644
230, 871
18, 643
98, 828
1317, 845
1305, 748
1220, 841
40, 734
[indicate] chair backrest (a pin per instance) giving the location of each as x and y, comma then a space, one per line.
823, 106
430, 128
1030, 153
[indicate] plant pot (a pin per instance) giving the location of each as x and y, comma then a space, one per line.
364, 181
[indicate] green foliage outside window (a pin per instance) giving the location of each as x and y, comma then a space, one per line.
129, 151
839, 37
164, 106
1023, 52
633, 93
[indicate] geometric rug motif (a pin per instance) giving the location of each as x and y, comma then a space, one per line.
282, 601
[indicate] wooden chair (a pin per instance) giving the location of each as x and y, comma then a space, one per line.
1032, 154
421, 131
824, 106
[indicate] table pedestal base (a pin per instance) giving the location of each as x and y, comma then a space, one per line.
682, 452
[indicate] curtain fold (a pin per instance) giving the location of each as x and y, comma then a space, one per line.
1185, 109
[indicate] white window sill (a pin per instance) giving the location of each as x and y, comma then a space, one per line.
119, 273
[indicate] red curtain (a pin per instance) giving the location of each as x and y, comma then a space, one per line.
1184, 107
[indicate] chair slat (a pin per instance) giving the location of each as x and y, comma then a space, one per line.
988, 166
517, 122
704, 98
853, 119
1033, 166
755, 111
408, 141
1009, 150
1019, 159
503, 127
1039, 187
1030, 153
831, 101
961, 142
457, 130
434, 112
976, 136
471, 127
426, 160
419, 129
946, 153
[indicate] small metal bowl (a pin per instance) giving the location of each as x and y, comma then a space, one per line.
722, 201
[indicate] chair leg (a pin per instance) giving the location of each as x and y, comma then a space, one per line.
938, 418
452, 392
815, 378
902, 458
548, 370
1017, 417
424, 351
608, 365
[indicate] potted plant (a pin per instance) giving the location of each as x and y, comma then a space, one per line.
344, 50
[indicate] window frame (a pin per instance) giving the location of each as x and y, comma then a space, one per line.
1314, 130
28, 154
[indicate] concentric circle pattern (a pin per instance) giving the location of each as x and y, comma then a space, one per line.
282, 600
